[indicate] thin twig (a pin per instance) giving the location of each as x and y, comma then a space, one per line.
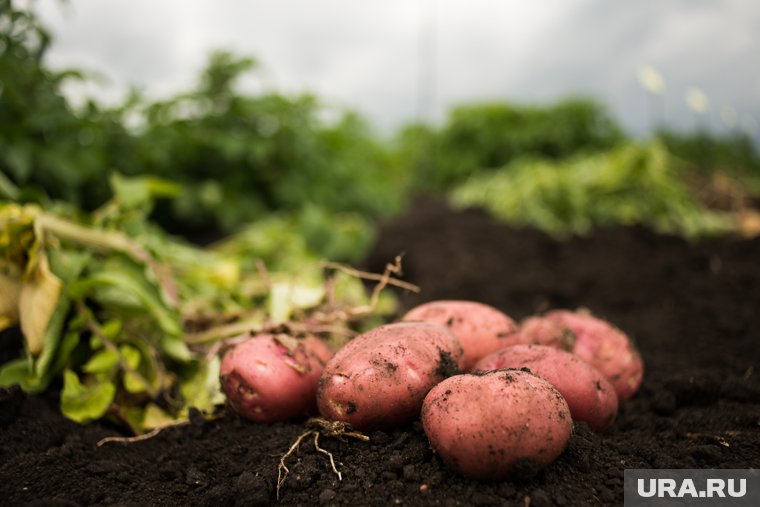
224, 331
383, 280
373, 276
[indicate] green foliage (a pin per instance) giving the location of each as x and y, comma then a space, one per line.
136, 315
711, 152
240, 158
287, 241
46, 148
627, 185
237, 157
733, 154
487, 136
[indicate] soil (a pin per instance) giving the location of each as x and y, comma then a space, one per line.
693, 309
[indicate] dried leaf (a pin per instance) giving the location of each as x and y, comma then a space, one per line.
38, 299
10, 291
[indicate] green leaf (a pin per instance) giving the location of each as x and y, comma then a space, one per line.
127, 285
111, 329
18, 157
202, 389
85, 402
22, 372
103, 361
17, 372
68, 264
133, 382
140, 191
8, 189
175, 348
52, 337
155, 417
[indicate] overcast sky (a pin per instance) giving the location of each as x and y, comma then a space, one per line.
398, 60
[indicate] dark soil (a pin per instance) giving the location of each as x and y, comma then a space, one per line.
694, 310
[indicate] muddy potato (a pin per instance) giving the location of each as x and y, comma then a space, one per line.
488, 425
589, 395
481, 328
379, 379
270, 378
599, 343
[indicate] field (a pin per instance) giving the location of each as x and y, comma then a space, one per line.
691, 307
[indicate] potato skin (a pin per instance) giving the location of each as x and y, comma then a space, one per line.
489, 425
270, 378
589, 395
379, 379
481, 328
599, 343
319, 348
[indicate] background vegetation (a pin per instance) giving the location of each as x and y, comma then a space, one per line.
238, 159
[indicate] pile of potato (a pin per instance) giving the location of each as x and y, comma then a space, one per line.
492, 395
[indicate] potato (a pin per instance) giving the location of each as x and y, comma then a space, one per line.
270, 378
379, 379
323, 350
594, 340
589, 395
488, 425
481, 328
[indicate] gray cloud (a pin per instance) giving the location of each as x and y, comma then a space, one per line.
365, 55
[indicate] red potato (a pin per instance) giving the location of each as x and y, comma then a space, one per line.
594, 340
319, 347
270, 378
481, 328
379, 379
488, 425
589, 395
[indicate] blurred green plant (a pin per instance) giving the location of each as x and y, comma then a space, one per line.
733, 154
237, 157
45, 146
242, 157
630, 184
484, 137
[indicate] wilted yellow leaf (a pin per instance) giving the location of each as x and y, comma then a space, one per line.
10, 290
38, 299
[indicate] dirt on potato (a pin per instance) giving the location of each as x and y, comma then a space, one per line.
690, 307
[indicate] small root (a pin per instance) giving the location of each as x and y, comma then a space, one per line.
282, 469
321, 427
130, 440
328, 454
152, 433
